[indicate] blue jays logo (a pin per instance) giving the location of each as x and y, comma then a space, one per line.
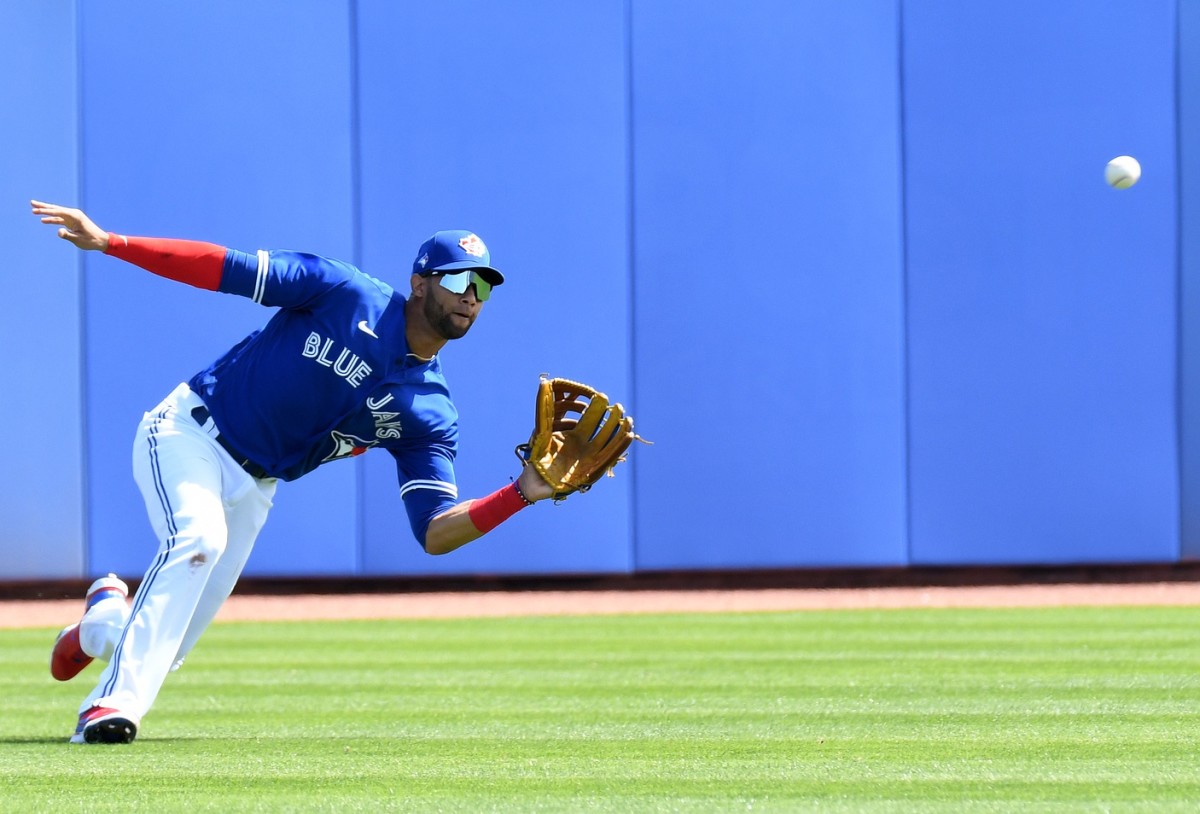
472, 245
346, 446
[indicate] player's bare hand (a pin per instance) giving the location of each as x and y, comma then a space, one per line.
533, 486
74, 226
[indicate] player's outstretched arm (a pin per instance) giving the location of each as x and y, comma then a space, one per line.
472, 519
187, 261
74, 226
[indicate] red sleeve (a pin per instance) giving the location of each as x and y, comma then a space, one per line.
488, 512
186, 261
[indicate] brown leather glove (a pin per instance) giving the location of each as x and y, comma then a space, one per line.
577, 436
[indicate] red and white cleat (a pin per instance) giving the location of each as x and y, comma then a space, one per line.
68, 658
105, 725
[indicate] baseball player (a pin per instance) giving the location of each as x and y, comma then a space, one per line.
345, 364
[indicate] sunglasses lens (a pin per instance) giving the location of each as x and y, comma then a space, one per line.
458, 284
483, 289
455, 282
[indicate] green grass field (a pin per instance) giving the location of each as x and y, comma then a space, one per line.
1078, 709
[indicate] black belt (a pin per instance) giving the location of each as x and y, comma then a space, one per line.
201, 416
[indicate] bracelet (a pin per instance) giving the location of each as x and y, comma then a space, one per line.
520, 494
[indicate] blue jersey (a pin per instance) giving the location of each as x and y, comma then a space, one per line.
330, 376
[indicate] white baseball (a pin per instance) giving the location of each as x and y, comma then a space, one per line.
1123, 172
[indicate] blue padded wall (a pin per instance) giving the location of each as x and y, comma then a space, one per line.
1189, 283
1041, 302
41, 477
226, 122
852, 265
519, 132
768, 290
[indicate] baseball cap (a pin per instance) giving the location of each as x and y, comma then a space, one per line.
456, 250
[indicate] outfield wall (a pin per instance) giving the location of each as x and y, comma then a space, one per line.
851, 264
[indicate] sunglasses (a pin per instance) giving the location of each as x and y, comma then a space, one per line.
460, 281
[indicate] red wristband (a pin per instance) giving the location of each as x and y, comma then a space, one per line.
488, 512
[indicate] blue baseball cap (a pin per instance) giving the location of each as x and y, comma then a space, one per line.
456, 250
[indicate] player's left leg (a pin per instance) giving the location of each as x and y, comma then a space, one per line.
244, 519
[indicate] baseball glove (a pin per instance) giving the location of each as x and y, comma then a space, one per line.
577, 436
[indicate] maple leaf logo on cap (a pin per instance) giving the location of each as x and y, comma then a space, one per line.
472, 245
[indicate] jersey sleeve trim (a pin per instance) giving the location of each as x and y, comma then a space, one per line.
435, 485
260, 280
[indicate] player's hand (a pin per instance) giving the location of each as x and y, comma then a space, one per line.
533, 486
74, 226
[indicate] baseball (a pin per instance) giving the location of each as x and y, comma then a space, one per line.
1123, 172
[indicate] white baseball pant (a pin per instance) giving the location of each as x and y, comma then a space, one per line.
207, 512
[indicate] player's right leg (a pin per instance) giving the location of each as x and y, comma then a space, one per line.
95, 635
179, 472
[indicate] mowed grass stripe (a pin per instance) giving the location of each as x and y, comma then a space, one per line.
1061, 709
